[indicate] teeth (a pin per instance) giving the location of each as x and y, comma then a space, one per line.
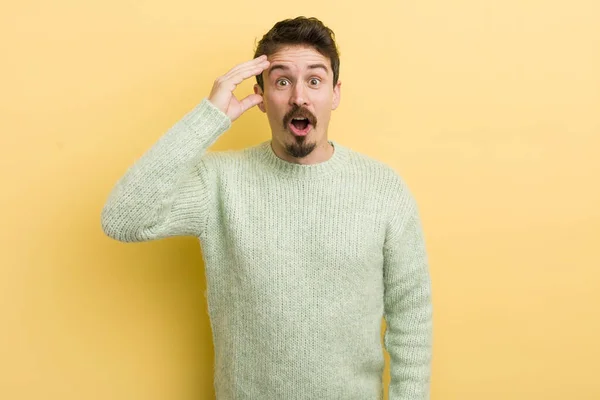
299, 119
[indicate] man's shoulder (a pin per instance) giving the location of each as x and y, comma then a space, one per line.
224, 157
381, 176
368, 164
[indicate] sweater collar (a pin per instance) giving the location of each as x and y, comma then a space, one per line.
303, 171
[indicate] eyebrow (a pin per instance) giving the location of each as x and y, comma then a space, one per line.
286, 68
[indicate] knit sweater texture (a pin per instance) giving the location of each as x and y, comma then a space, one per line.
301, 262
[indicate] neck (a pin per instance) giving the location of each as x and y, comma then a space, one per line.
321, 153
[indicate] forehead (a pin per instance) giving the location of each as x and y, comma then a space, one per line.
298, 57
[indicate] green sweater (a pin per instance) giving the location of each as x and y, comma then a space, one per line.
302, 262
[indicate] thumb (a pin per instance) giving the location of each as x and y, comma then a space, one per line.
250, 101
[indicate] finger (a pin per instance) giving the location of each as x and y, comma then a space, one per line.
247, 64
241, 75
250, 101
244, 73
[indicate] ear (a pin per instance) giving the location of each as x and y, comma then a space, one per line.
337, 94
258, 90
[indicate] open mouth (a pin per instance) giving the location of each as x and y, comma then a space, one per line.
300, 126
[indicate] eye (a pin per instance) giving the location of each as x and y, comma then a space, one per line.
315, 81
280, 81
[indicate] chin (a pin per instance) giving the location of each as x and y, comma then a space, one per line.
300, 147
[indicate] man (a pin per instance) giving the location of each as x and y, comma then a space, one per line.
307, 244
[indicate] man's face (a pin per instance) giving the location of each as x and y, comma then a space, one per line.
299, 84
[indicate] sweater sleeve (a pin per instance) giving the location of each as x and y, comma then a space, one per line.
167, 191
407, 300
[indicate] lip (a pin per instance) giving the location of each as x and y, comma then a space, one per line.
298, 112
304, 132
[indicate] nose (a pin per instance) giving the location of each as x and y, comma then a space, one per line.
299, 96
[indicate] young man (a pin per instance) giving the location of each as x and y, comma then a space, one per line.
307, 244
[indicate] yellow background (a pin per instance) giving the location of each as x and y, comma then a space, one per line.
489, 109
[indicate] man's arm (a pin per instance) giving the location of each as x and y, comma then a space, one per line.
408, 308
166, 192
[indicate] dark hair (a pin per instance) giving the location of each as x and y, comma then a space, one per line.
300, 31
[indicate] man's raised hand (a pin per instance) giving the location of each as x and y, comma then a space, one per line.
222, 95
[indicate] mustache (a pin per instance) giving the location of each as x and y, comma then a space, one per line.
299, 112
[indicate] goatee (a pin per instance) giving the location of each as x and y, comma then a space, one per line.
300, 148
